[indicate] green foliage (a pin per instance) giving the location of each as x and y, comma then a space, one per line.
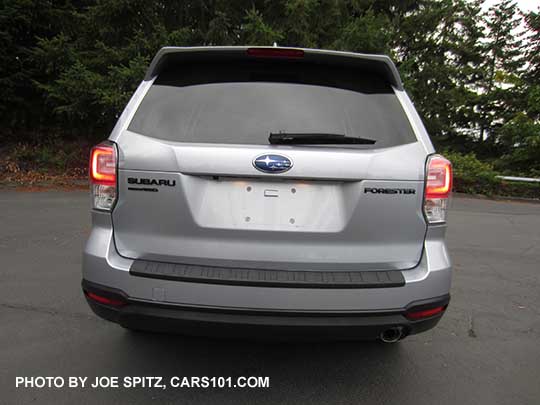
532, 51
257, 32
22, 22
522, 136
471, 175
502, 59
368, 33
533, 101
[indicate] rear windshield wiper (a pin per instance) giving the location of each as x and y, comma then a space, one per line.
284, 138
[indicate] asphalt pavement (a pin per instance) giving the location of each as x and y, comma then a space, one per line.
486, 349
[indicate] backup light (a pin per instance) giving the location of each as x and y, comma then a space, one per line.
438, 188
103, 162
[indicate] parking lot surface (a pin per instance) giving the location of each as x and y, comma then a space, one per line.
484, 351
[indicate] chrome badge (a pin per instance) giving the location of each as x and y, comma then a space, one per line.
270, 163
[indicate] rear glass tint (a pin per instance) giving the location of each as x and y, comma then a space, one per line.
242, 103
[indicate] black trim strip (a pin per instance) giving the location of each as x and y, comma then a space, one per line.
267, 278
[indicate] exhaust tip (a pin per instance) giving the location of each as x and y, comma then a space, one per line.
391, 335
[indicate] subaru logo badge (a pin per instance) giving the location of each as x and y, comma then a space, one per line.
272, 163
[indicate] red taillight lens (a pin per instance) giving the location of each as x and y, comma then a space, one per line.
275, 53
103, 165
439, 177
105, 300
438, 188
426, 313
102, 172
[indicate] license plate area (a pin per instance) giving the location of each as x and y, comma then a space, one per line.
283, 205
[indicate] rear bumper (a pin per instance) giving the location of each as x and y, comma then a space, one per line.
226, 323
174, 304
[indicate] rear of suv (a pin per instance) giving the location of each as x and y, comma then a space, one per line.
255, 192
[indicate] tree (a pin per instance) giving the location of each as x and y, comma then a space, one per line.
503, 58
23, 23
520, 136
366, 32
258, 32
532, 20
437, 47
531, 77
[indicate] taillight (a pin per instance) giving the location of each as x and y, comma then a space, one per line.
438, 188
102, 170
275, 53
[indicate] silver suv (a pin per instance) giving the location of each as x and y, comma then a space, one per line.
269, 192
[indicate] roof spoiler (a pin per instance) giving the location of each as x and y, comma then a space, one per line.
381, 65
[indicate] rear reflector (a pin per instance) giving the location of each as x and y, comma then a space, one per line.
426, 313
275, 53
102, 171
105, 300
438, 188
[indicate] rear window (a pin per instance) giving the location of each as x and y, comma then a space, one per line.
242, 103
